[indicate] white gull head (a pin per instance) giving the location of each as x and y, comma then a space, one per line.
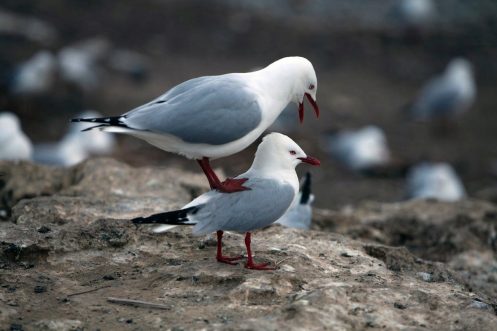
277, 153
292, 78
460, 69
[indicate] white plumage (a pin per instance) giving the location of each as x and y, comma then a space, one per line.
36, 75
14, 144
447, 95
434, 181
360, 149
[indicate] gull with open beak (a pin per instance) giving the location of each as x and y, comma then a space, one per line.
272, 185
215, 116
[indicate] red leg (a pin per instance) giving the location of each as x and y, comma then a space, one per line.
250, 262
209, 173
219, 255
230, 185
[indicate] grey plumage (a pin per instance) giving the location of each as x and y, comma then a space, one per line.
447, 95
270, 185
191, 111
264, 203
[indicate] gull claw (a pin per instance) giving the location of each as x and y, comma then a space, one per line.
231, 185
229, 260
260, 266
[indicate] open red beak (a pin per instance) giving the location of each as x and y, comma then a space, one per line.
311, 160
301, 107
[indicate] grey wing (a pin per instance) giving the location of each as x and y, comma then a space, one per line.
437, 99
212, 110
245, 211
442, 98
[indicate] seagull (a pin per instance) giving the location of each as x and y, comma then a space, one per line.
14, 144
361, 149
414, 14
299, 215
447, 95
434, 181
95, 141
75, 146
36, 75
79, 63
272, 186
215, 116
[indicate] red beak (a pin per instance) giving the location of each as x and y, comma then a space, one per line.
313, 104
311, 160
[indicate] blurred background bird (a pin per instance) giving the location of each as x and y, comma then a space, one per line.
437, 181
361, 149
299, 215
76, 145
448, 95
14, 144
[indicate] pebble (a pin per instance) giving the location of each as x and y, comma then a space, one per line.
40, 288
425, 276
476, 303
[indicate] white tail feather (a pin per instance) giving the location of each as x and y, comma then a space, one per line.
163, 228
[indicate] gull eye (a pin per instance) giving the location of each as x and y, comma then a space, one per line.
293, 152
311, 87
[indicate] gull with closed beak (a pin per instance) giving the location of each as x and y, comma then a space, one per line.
272, 185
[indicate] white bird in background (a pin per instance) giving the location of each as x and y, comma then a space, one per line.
273, 185
132, 64
78, 63
299, 215
215, 116
447, 95
414, 14
94, 141
75, 146
66, 152
27, 27
36, 75
434, 181
14, 144
360, 149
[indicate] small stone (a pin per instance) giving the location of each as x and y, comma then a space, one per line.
27, 265
108, 277
399, 305
40, 288
478, 304
425, 276
129, 321
16, 327
44, 229
345, 254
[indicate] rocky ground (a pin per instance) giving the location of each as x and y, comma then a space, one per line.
66, 247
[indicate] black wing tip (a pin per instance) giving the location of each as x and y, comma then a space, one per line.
110, 121
306, 188
307, 177
138, 220
175, 217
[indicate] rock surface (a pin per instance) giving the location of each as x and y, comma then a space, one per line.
66, 246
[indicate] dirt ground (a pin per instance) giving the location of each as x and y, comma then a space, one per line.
69, 256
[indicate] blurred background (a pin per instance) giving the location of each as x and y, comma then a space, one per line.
374, 61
